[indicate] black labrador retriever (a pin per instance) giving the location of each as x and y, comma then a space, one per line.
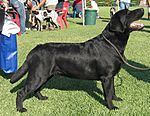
94, 59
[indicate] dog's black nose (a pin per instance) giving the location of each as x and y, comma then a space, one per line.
140, 9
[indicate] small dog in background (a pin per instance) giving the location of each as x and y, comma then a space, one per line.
45, 15
112, 11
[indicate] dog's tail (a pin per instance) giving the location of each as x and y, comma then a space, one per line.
20, 73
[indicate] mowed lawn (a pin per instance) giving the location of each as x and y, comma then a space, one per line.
70, 97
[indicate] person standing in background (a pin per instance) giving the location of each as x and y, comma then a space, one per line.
77, 8
95, 6
19, 6
123, 4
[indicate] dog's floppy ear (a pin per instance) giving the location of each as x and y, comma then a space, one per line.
116, 24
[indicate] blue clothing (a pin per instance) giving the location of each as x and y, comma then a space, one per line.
77, 9
126, 1
124, 5
22, 15
35, 2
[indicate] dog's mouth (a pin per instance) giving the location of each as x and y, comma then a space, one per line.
136, 15
136, 26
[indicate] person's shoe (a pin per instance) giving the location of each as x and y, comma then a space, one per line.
98, 17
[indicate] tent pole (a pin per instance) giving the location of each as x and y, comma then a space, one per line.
83, 11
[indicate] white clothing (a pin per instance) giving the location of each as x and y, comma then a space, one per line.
51, 2
9, 28
94, 5
22, 1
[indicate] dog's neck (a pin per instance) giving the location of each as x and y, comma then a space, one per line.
120, 40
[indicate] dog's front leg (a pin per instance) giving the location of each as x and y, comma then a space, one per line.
108, 93
114, 97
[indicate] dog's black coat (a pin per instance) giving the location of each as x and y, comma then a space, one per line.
95, 59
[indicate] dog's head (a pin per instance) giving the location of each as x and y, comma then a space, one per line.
112, 11
124, 20
45, 13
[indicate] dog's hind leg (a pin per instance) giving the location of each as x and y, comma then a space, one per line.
38, 93
40, 96
108, 93
32, 84
19, 100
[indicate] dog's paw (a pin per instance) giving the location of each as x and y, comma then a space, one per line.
43, 98
22, 110
113, 108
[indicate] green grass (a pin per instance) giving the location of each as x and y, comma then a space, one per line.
68, 97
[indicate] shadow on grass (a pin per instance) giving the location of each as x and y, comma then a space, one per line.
76, 22
4, 75
140, 75
105, 19
147, 26
146, 29
67, 84
145, 19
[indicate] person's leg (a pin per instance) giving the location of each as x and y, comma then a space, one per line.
28, 24
2, 18
149, 12
22, 14
148, 9
65, 22
97, 13
21, 11
127, 5
74, 12
121, 5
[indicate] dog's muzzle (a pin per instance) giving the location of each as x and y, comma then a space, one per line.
136, 26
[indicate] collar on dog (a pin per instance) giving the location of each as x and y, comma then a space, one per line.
124, 59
